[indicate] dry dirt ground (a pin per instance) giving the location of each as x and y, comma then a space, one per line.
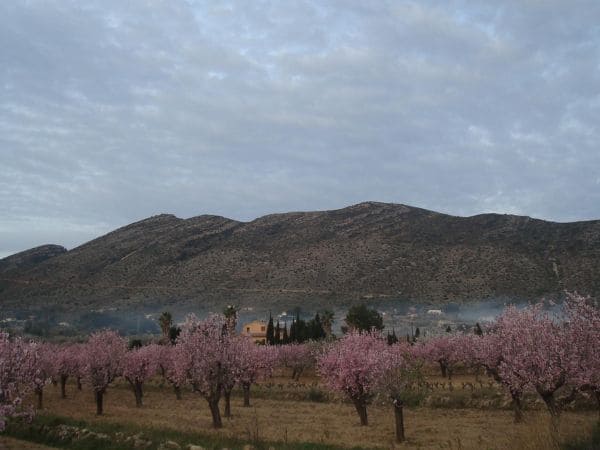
327, 422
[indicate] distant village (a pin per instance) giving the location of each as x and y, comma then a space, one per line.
401, 320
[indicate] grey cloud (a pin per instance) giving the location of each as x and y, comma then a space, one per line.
113, 111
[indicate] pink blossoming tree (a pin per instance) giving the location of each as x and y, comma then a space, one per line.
536, 353
401, 381
445, 350
139, 365
103, 362
168, 368
65, 364
298, 357
17, 371
256, 362
583, 331
202, 353
43, 356
353, 366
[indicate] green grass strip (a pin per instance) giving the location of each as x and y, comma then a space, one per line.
44, 430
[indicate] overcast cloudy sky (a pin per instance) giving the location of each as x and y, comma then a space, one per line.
112, 110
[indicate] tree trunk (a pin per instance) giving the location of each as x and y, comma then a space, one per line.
99, 405
597, 394
139, 394
554, 411
553, 408
399, 416
443, 368
39, 392
78, 383
177, 390
227, 411
246, 389
63, 384
517, 407
216, 414
361, 409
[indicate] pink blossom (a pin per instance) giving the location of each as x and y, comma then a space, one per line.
583, 331
103, 362
353, 365
203, 359
139, 365
255, 362
296, 356
17, 372
43, 362
446, 350
65, 362
169, 369
401, 380
535, 351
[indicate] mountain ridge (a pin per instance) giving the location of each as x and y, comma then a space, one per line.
369, 250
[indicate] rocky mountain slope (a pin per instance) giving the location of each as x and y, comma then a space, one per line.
30, 258
366, 251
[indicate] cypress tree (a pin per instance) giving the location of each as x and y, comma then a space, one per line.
478, 330
392, 338
319, 332
277, 339
270, 331
292, 337
285, 338
417, 334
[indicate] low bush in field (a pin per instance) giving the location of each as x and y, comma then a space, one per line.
316, 395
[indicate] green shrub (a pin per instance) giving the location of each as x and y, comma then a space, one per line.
317, 395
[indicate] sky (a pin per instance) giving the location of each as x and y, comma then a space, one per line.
112, 111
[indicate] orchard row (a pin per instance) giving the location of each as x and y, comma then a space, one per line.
523, 350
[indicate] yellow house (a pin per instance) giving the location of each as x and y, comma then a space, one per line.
257, 330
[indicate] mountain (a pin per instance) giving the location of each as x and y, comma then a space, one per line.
30, 258
366, 251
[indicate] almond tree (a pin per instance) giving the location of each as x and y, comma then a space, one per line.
65, 362
42, 357
401, 380
78, 354
168, 368
103, 359
202, 354
139, 365
296, 356
488, 351
231, 367
444, 350
583, 330
256, 362
536, 353
353, 366
17, 370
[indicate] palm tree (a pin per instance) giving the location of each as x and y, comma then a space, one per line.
327, 322
230, 312
165, 321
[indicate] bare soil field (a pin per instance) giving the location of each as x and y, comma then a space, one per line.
284, 418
